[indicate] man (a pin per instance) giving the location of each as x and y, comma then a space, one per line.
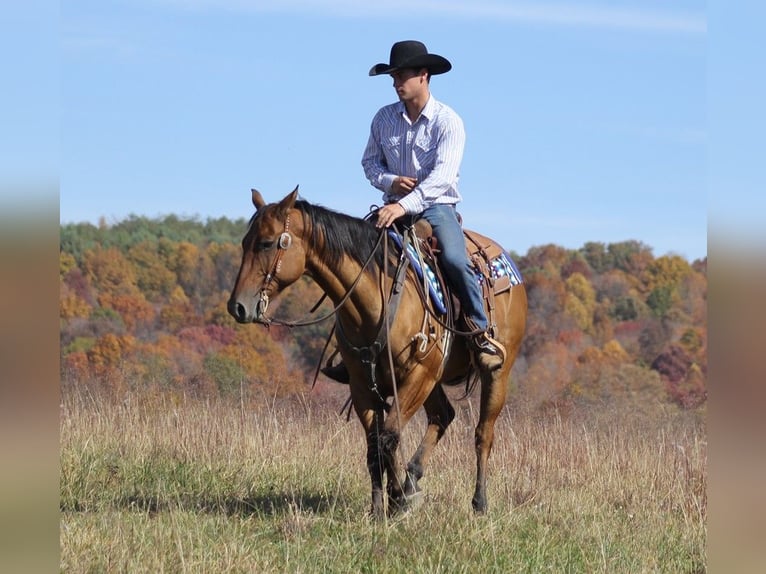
413, 156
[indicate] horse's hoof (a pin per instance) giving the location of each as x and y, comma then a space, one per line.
405, 507
479, 504
415, 499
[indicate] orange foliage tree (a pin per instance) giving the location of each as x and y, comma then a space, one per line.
109, 271
153, 276
144, 302
136, 312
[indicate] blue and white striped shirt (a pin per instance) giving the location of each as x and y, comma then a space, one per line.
430, 150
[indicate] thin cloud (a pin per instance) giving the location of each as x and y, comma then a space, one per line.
556, 14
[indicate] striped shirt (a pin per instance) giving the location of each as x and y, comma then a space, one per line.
430, 149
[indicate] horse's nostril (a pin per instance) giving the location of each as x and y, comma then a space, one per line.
241, 312
237, 310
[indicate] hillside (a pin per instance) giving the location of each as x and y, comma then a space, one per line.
143, 305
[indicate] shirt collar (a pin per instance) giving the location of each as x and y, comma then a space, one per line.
427, 112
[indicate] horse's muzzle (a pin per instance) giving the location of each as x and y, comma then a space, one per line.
243, 314
239, 311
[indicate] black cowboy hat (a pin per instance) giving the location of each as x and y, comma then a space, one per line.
412, 54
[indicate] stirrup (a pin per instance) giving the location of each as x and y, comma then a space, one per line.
490, 353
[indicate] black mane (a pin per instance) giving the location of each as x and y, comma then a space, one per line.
344, 235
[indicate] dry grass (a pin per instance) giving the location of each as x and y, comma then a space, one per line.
157, 484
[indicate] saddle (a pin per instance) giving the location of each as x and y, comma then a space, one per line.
495, 271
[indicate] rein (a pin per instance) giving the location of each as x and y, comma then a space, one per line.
369, 355
306, 322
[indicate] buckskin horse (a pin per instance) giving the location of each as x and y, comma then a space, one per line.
405, 355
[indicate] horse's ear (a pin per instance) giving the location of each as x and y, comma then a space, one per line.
289, 201
258, 201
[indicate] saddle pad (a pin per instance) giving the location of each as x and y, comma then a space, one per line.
434, 289
502, 266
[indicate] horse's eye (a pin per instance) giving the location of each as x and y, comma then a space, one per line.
265, 244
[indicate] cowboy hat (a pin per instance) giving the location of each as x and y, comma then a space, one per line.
412, 54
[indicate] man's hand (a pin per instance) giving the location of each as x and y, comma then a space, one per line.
403, 185
388, 214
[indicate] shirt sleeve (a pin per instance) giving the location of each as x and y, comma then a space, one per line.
374, 161
449, 153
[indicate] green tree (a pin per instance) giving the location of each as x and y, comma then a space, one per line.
630, 256
596, 255
225, 372
660, 300
77, 238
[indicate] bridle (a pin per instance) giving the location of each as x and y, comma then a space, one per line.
284, 243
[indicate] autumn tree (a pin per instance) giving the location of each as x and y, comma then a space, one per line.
134, 310
106, 356
144, 300
580, 301
184, 261
75, 296
692, 291
545, 257
305, 344
109, 271
178, 312
595, 254
684, 378
225, 259
549, 372
153, 276
630, 256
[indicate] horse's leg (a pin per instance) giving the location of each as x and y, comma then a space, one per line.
372, 421
411, 397
440, 414
389, 446
493, 391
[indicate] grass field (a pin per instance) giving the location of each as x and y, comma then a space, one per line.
156, 483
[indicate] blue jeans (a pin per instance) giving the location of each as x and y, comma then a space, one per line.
454, 260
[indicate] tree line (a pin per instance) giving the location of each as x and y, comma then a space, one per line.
143, 305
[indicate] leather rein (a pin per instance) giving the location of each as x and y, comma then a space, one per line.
284, 243
368, 355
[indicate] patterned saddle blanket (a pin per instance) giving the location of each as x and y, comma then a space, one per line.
491, 264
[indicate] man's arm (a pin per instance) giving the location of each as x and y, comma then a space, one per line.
374, 164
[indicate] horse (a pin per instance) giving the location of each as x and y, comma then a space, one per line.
347, 257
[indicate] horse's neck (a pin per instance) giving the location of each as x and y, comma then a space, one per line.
358, 291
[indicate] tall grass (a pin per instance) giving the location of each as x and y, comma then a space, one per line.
158, 483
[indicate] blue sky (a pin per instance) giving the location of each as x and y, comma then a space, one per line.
585, 121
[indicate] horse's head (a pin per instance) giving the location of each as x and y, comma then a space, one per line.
273, 257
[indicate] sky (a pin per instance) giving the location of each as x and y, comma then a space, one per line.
585, 121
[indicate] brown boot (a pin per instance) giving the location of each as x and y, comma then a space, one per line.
337, 373
490, 354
